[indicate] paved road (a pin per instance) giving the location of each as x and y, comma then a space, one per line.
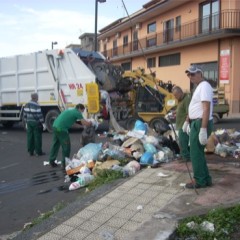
29, 188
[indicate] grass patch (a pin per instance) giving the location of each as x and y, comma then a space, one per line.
44, 216
104, 176
225, 221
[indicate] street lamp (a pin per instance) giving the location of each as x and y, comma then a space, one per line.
54, 43
96, 16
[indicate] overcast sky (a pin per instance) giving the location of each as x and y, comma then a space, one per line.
31, 25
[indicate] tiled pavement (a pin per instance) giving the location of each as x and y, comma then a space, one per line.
124, 210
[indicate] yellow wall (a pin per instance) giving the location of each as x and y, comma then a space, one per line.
198, 53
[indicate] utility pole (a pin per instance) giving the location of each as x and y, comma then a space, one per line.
96, 21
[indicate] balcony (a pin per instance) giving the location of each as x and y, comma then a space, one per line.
226, 22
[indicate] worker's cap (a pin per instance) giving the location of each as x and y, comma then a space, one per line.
194, 69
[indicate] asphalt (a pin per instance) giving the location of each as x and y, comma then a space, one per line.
146, 206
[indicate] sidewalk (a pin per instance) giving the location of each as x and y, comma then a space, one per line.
232, 115
145, 206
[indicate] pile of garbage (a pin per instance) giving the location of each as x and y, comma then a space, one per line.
127, 152
225, 143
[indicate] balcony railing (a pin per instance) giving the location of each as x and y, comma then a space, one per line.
229, 19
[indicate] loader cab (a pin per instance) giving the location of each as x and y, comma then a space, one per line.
149, 100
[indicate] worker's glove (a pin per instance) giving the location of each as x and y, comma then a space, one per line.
185, 126
188, 129
44, 127
203, 136
94, 123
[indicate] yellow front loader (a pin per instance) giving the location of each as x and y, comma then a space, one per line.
149, 101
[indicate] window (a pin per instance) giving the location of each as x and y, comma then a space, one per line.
178, 23
209, 15
115, 48
105, 49
151, 42
169, 60
125, 40
168, 28
151, 62
135, 40
149, 100
126, 66
210, 73
151, 27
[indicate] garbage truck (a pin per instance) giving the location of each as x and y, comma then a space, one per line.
60, 78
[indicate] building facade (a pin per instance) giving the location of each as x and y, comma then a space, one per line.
87, 41
166, 36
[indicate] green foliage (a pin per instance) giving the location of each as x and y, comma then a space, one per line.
104, 176
44, 216
225, 222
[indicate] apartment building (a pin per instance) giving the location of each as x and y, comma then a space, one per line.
87, 41
166, 36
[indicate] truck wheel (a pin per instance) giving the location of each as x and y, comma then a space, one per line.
7, 124
160, 125
215, 119
49, 119
130, 122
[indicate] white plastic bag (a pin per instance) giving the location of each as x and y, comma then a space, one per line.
83, 180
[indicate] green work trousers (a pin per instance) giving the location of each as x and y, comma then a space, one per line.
34, 138
184, 145
197, 154
60, 138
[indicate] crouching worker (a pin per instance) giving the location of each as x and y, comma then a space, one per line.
61, 137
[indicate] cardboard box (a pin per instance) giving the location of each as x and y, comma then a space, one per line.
74, 170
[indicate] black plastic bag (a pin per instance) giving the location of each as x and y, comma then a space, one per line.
88, 136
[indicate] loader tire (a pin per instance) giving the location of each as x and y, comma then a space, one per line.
160, 125
215, 118
130, 122
49, 119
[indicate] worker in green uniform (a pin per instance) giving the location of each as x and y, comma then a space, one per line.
61, 137
34, 120
181, 114
201, 123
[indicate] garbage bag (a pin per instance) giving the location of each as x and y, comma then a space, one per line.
82, 181
131, 168
139, 125
88, 136
146, 159
90, 152
149, 148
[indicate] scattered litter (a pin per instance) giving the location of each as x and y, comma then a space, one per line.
162, 175
27, 225
139, 207
45, 163
191, 225
207, 226
106, 235
182, 184
163, 215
